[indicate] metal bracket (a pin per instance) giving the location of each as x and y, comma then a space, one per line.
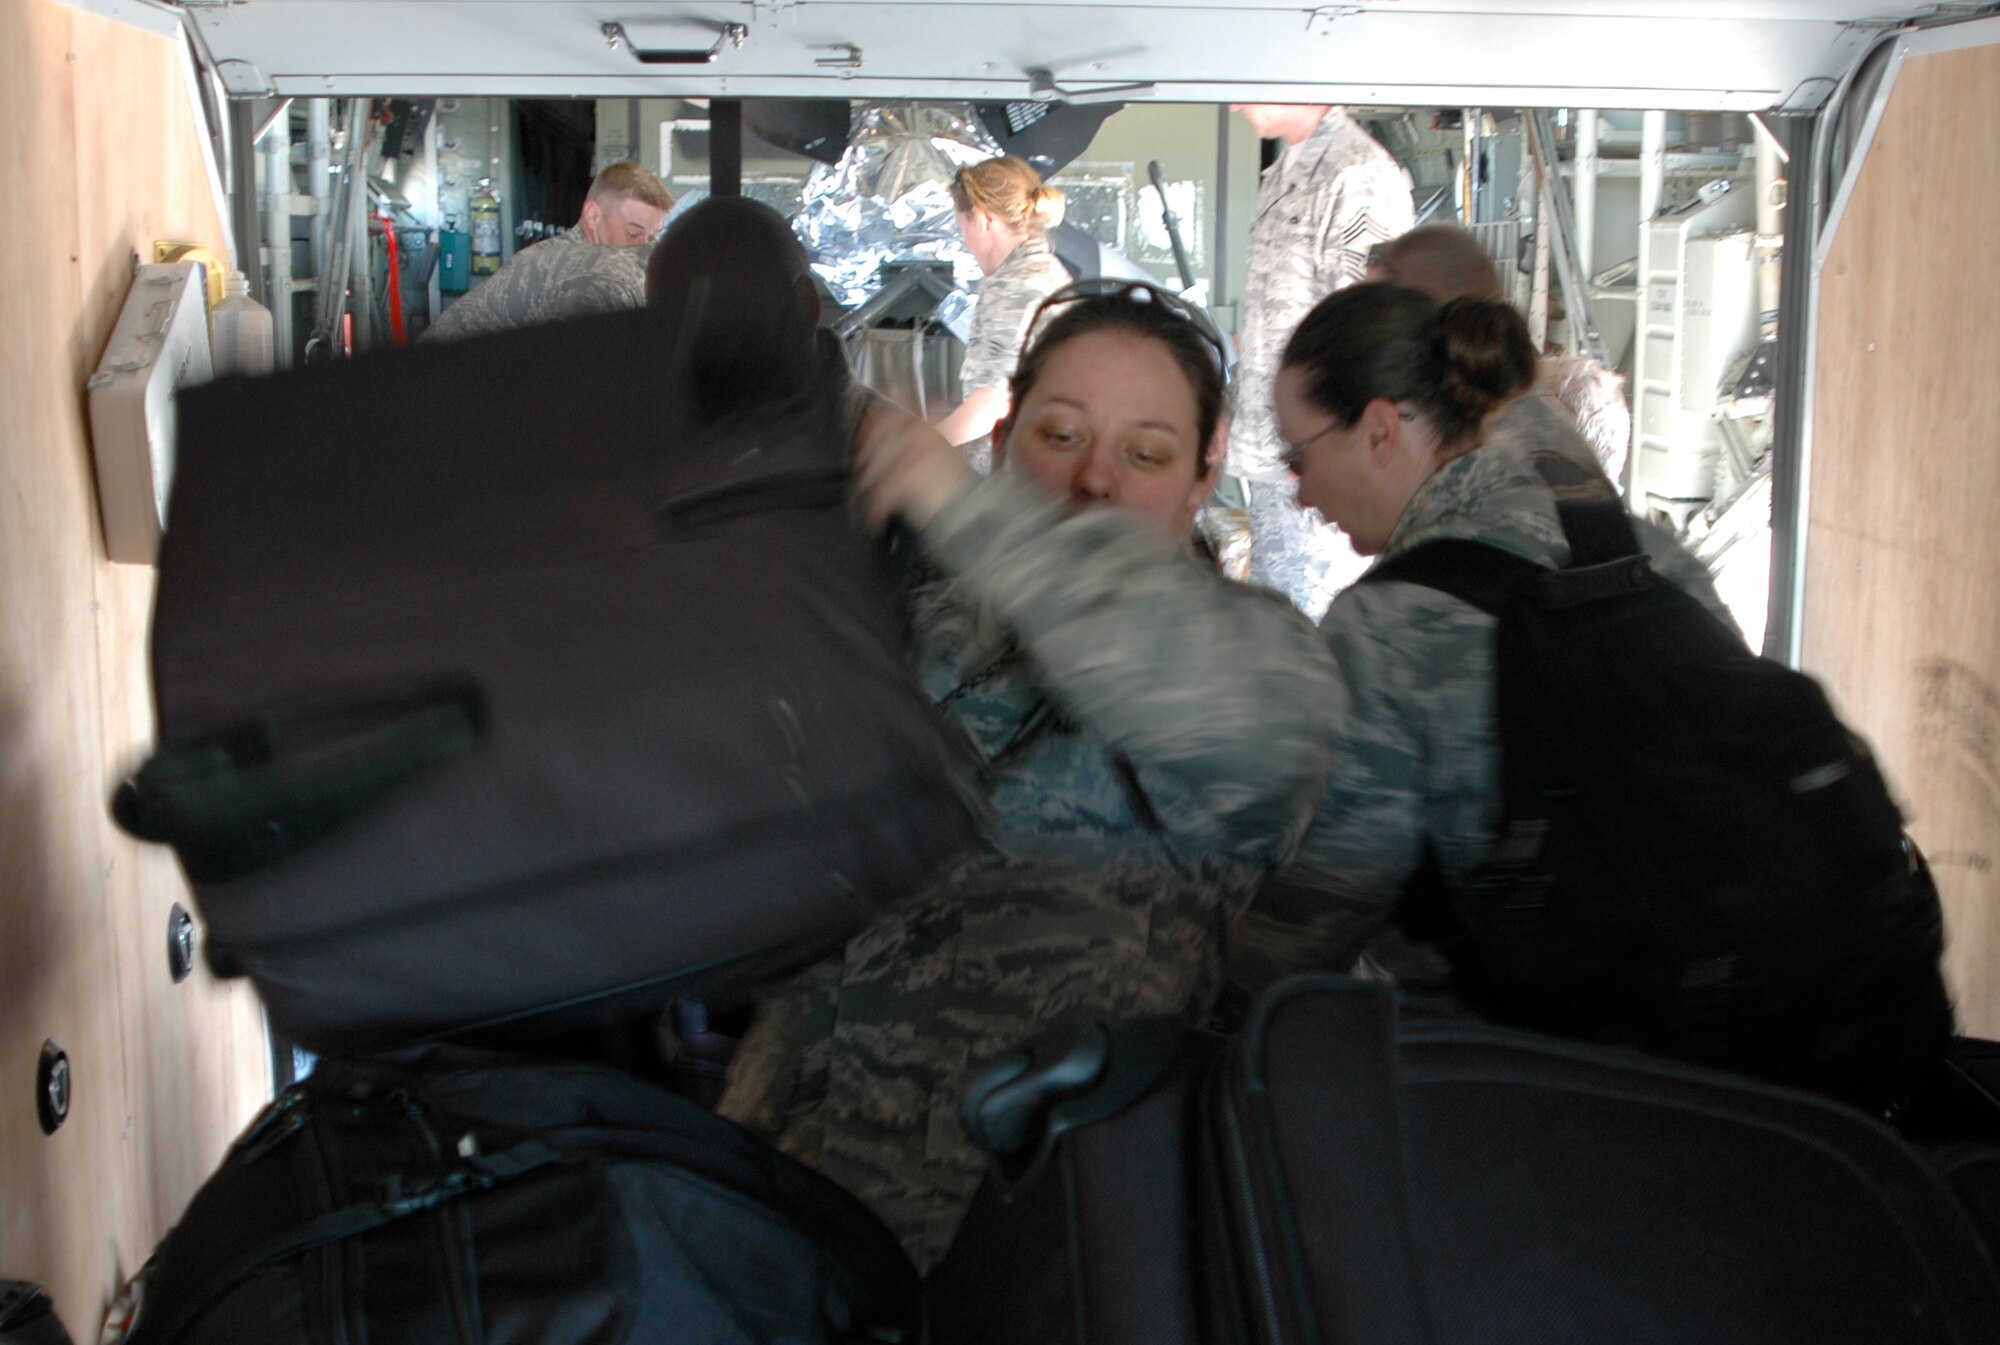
241, 79
732, 34
277, 113
1799, 101
850, 61
1042, 87
1320, 22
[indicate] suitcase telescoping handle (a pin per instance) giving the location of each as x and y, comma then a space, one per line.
250, 793
1019, 1107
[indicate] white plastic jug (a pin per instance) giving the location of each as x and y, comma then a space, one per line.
243, 343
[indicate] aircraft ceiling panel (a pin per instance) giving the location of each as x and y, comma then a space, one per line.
1747, 54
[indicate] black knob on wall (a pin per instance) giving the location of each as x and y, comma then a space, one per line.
180, 943
52, 1084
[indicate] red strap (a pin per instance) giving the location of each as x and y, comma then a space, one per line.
395, 279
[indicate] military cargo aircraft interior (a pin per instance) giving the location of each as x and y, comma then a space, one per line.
453, 646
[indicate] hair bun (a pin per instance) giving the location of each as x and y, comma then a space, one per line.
1050, 205
1486, 355
1011, 191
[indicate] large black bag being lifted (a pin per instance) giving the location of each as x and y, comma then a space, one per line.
445, 1195
490, 683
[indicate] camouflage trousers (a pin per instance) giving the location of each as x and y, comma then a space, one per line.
1296, 552
858, 1067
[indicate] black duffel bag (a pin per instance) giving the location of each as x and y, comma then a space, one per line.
443, 1195
490, 683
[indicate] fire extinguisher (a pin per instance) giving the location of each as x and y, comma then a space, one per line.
485, 211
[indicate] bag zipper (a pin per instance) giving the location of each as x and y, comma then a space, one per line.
451, 1222
1238, 1162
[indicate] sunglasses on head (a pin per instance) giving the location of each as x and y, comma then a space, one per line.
1137, 292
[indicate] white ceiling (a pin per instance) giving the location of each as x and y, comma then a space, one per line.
1734, 54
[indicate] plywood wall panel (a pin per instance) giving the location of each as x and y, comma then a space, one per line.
1903, 554
195, 1056
50, 872
123, 211
97, 132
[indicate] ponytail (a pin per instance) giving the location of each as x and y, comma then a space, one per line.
1048, 205
1011, 191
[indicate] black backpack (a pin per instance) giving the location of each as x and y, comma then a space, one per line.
1695, 856
443, 1195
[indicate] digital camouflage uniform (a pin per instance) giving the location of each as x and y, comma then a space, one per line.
1322, 206
1594, 396
560, 277
1153, 738
1007, 302
1417, 757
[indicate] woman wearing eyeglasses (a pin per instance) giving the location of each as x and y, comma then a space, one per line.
1005, 213
1150, 739
1404, 422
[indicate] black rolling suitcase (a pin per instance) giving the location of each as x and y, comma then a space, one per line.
443, 1195
1086, 1228
1351, 1172
490, 685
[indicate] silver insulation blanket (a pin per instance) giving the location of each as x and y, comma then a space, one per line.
889, 197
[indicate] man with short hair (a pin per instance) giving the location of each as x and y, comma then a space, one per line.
1333, 195
625, 207
1441, 261
595, 267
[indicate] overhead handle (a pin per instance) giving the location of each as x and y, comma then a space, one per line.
1042, 87
731, 34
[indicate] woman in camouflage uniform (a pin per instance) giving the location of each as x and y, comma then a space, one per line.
1004, 215
1406, 423
1150, 739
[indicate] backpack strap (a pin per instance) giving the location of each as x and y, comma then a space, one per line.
1491, 579
1473, 572
1597, 531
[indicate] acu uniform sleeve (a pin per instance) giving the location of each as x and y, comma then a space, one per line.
1419, 668
479, 310
1364, 208
1223, 697
998, 324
